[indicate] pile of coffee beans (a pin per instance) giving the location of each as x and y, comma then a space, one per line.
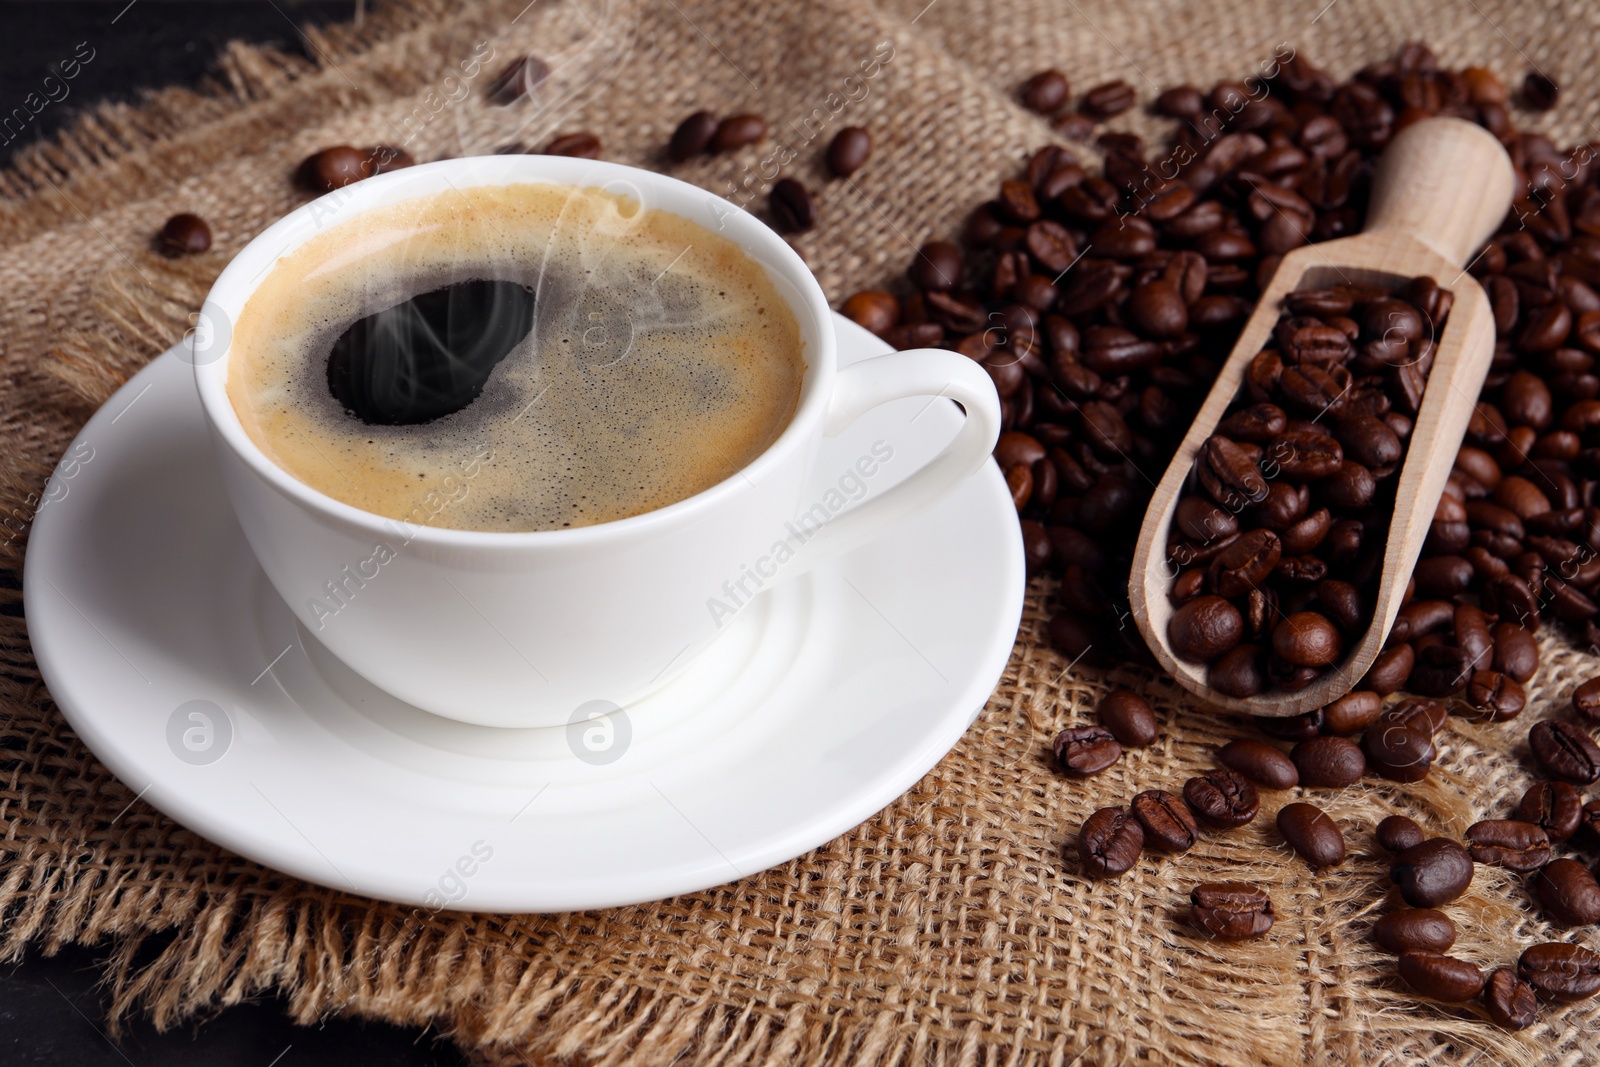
1278, 538
1103, 303
1431, 872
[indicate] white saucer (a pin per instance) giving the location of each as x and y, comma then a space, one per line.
178, 665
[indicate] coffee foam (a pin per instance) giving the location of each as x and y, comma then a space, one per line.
662, 360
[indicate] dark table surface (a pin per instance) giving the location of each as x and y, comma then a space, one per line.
51, 1010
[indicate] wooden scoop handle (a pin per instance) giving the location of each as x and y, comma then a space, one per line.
1444, 182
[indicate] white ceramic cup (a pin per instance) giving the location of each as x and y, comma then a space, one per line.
521, 629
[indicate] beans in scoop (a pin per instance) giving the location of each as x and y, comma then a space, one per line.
1278, 538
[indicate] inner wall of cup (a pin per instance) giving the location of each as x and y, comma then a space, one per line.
789, 276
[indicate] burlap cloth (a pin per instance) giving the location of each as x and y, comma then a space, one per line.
946, 929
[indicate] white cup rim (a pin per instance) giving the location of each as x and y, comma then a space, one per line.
239, 280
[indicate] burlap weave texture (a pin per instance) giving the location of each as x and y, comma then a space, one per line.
947, 929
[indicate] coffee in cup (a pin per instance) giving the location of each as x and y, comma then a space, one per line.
515, 357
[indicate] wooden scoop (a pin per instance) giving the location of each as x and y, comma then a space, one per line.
1440, 190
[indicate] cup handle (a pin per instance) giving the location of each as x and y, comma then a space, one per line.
929, 372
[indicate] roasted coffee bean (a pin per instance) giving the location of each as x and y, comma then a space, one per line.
1232, 911
1246, 562
1046, 92
1554, 807
849, 151
1567, 892
1307, 639
333, 168
1284, 506
1108, 99
1510, 843
1369, 441
1128, 717
1053, 247
1443, 576
1495, 694
1237, 673
519, 78
1257, 424
692, 137
1586, 700
1416, 713
1074, 125
582, 145
1433, 974
1432, 873
737, 131
1565, 751
1203, 521
1157, 308
1184, 101
1510, 1001
1015, 447
937, 266
1390, 670
1560, 972
1313, 836
1188, 585
1328, 762
1263, 764
1540, 91
1312, 391
1398, 752
1396, 833
1222, 798
873, 309
1167, 822
1525, 398
1085, 750
1339, 601
1352, 713
1515, 653
184, 235
1413, 929
1113, 351
1204, 628
1522, 497
792, 206
1018, 203
1109, 843
1422, 617
1305, 456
